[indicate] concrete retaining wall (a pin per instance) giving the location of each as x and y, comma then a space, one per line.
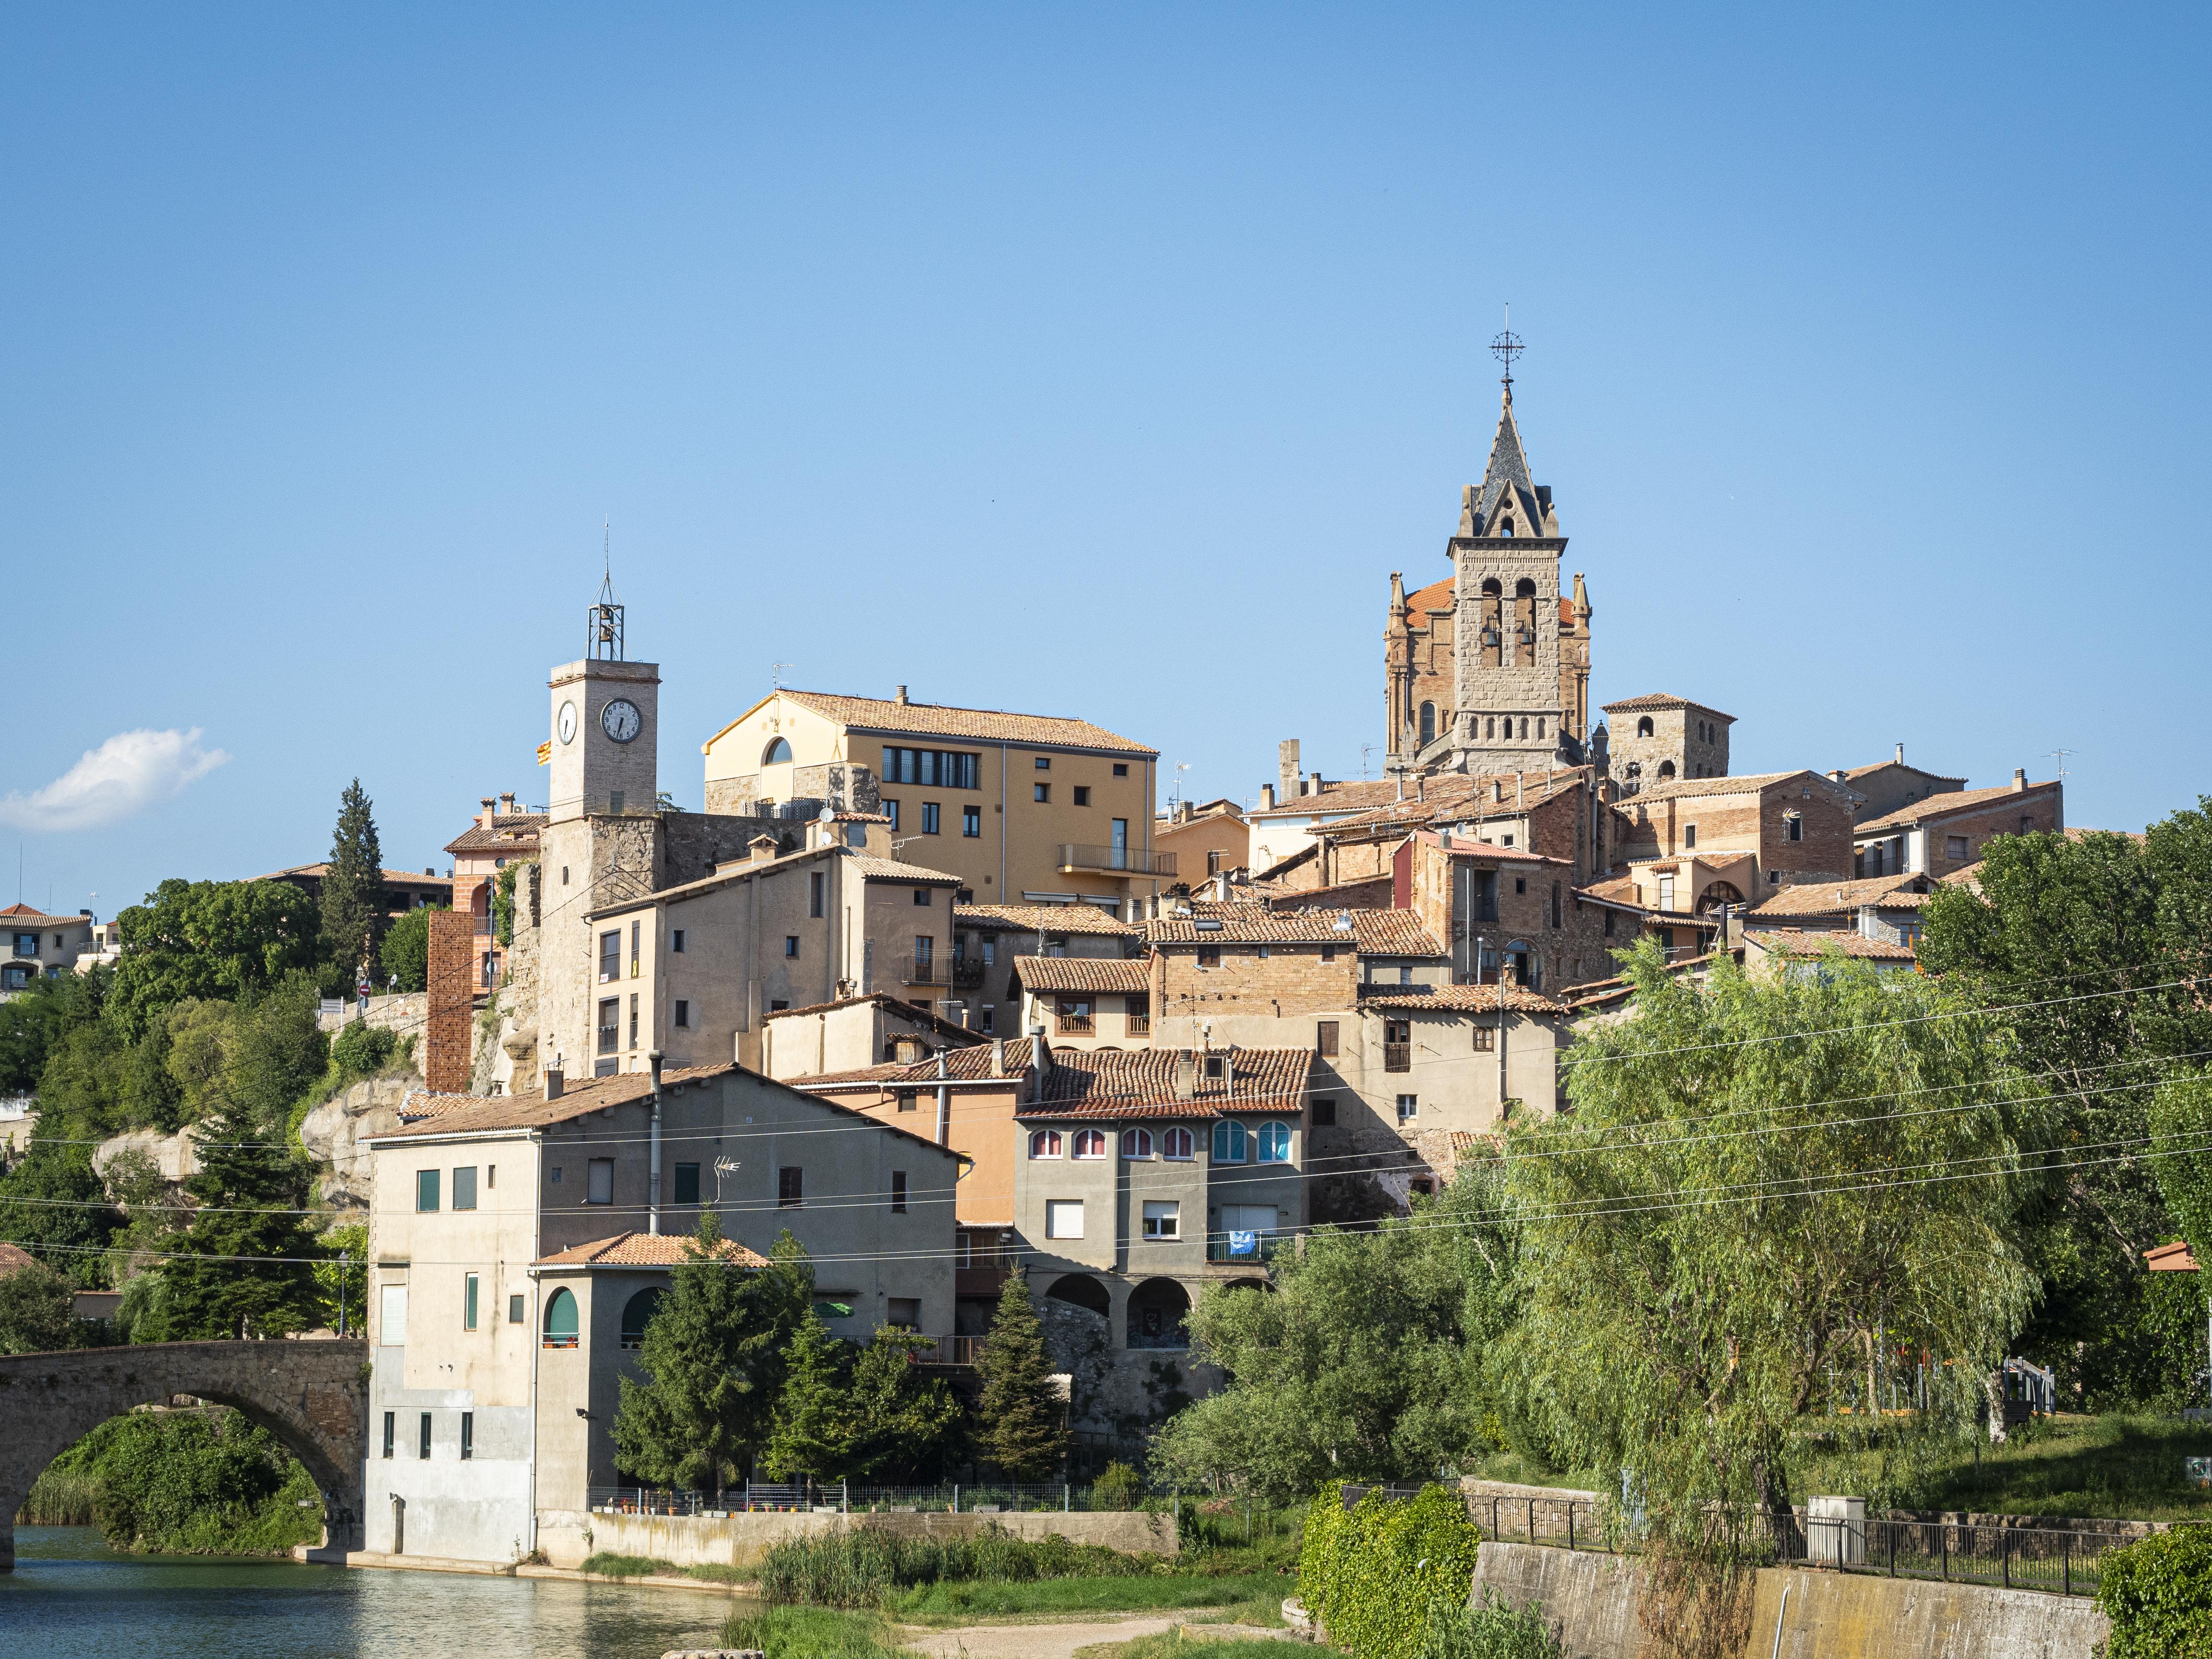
1592, 1599
738, 1541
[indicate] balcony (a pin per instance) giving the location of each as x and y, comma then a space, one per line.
1074, 1024
924, 970
1114, 861
1260, 1247
967, 972
1397, 1056
955, 1351
1139, 1024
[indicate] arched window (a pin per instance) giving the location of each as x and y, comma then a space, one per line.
1044, 1143
777, 752
1428, 722
1644, 727
1539, 725
1494, 622
637, 1313
1178, 1143
1635, 769
1274, 1141
1666, 769
1136, 1143
561, 1321
1091, 1142
1229, 1141
1524, 726
1490, 726
1555, 904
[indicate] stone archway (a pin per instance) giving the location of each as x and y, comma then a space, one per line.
313, 1396
1083, 1291
1159, 1309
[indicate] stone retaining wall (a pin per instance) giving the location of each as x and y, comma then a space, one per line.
568, 1537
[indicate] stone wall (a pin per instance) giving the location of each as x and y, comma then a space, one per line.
403, 1014
738, 1541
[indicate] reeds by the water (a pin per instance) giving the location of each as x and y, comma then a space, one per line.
60, 1497
859, 1569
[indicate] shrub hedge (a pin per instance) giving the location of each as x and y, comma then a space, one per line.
859, 1569
1375, 1574
2158, 1593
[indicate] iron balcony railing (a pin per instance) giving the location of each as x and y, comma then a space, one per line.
1073, 1024
967, 972
1245, 1246
924, 970
1121, 860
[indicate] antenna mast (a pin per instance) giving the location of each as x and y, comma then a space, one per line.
603, 622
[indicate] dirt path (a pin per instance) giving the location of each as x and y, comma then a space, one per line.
1051, 1641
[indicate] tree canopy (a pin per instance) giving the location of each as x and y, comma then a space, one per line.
222, 939
1023, 1419
353, 884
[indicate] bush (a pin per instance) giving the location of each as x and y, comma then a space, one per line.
859, 1569
1494, 1630
1374, 1575
1118, 1487
361, 1050
194, 1483
2158, 1593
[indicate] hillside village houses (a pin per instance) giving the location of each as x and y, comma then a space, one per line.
940, 989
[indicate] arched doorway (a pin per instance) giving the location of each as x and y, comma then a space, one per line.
1159, 1312
1717, 894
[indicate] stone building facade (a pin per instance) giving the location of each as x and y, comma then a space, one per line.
1662, 739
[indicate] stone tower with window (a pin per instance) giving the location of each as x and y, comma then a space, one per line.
1488, 669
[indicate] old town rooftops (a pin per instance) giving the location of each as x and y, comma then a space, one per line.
1455, 796
1749, 784
648, 1250
1043, 919
1794, 942
23, 915
736, 870
912, 1012
1950, 801
1151, 1083
508, 831
1467, 998
1661, 699
961, 1066
1113, 975
944, 720
1339, 795
1824, 898
1371, 932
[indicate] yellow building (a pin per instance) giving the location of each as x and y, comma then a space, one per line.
1023, 809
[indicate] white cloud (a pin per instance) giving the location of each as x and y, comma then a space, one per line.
131, 771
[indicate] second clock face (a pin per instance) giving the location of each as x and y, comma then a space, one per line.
620, 720
568, 722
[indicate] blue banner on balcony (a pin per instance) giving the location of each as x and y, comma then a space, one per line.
1243, 1244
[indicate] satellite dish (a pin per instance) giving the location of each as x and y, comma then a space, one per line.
829, 813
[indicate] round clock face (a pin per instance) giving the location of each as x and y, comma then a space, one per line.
620, 720
568, 726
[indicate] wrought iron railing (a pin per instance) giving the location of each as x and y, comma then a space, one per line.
1131, 861
922, 970
1245, 1247
1073, 1024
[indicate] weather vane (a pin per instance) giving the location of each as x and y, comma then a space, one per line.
1506, 346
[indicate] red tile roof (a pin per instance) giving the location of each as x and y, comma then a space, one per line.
1340, 795
23, 916
1660, 700
1141, 1082
1091, 974
961, 1066
975, 725
1796, 942
1951, 801
507, 831
1825, 898
1750, 784
1456, 797
648, 1250
1041, 918
397, 877
1471, 998
14, 1257
1373, 933
893, 870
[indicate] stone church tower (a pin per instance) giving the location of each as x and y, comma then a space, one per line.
1488, 669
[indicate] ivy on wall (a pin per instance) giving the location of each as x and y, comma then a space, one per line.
1374, 1573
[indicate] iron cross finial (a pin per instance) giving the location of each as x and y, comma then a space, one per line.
1506, 346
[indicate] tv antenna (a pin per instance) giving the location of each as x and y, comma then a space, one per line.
2060, 755
1175, 788
1366, 749
1505, 348
775, 672
724, 1165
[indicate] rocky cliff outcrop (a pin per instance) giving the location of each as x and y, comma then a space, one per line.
335, 1132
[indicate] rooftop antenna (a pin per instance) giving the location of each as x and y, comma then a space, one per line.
1366, 749
1175, 789
2060, 755
603, 622
1505, 348
776, 674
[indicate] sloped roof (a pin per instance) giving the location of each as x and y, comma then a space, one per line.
1749, 784
507, 829
1373, 932
14, 1257
1507, 467
977, 724
1794, 942
1042, 918
1471, 998
1948, 802
397, 877
1092, 974
1456, 795
647, 1250
23, 915
1141, 1082
1660, 700
891, 870
961, 1066
1337, 795
1838, 898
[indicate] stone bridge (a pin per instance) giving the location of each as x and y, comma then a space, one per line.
313, 1396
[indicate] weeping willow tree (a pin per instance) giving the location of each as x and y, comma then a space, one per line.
1771, 1196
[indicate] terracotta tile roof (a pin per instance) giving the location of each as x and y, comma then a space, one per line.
2134, 835
1591, 993
1464, 846
906, 1011
893, 870
1373, 933
1141, 1082
507, 829
1614, 890
1660, 700
1456, 797
1042, 918
1341, 795
397, 877
1092, 974
859, 817
23, 915
961, 1066
1943, 805
1794, 942
647, 1250
1840, 898
977, 724
1472, 999
1305, 854
14, 1257
1437, 596
1751, 784
1878, 766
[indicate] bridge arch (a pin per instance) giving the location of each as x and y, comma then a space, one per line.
312, 1395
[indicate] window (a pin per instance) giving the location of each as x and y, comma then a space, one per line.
930, 812
610, 1025
925, 955
599, 1181
1083, 794
909, 1100
391, 1317
1666, 770
922, 896
1089, 1143
1329, 953
464, 1188
683, 1012
1274, 1143
1063, 1217
1689, 835
391, 1431
676, 941
791, 945
1485, 1036
469, 1302
557, 1175
423, 1449
2027, 825
778, 753
1179, 1145
932, 767
814, 892
1214, 861
1229, 1141
1136, 1143
898, 1192
1041, 792
1520, 884
1397, 1045
634, 929
1644, 727
1215, 1066
468, 1436
904, 1310
891, 808
633, 1019
791, 1187
1044, 1143
1555, 904
1608, 924
1324, 1111
1797, 826
610, 958
990, 1015
1209, 956
1325, 1039
687, 1183
971, 820
1409, 1108
1953, 847
1043, 763
516, 1313
1120, 768
560, 1319
1162, 1218
1073, 1014
425, 1190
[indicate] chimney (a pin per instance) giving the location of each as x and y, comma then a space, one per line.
1316, 784
555, 1082
901, 695
997, 1057
1286, 766
1497, 792
1266, 797
483, 818
1836, 774
1186, 1075
1900, 754
1040, 1063
2019, 781
507, 803
762, 848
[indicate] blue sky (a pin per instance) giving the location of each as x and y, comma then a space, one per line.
1096, 361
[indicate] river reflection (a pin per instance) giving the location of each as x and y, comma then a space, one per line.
71, 1597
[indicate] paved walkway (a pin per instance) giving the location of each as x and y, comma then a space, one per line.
1057, 1641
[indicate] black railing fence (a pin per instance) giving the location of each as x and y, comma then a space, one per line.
986, 1497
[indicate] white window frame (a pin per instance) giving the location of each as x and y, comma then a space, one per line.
1046, 1143
1162, 1218
1057, 1213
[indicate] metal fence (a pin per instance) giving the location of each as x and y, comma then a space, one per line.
755, 1497
2056, 1560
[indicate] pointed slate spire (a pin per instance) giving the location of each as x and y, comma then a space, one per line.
1508, 465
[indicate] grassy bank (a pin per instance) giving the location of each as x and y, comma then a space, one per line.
959, 1601
813, 1633
606, 1565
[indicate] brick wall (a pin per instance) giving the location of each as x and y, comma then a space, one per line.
1290, 979
1749, 823
2035, 809
453, 988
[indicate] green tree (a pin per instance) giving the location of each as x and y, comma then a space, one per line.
52, 1205
344, 1269
353, 885
202, 1037
36, 1019
1022, 1423
1768, 1190
502, 899
814, 1431
712, 1355
908, 1422
208, 938
36, 1315
279, 1052
246, 1265
405, 952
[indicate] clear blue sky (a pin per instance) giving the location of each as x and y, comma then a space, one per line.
1100, 361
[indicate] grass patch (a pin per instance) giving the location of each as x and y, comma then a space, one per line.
814, 1634
713, 1572
606, 1565
1175, 1645
954, 1602
61, 1498
2120, 1467
864, 1568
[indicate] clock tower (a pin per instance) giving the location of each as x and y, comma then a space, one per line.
606, 725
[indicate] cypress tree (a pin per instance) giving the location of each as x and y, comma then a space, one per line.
353, 885
246, 1267
1023, 1429
814, 1431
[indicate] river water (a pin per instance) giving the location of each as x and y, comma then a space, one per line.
71, 1597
